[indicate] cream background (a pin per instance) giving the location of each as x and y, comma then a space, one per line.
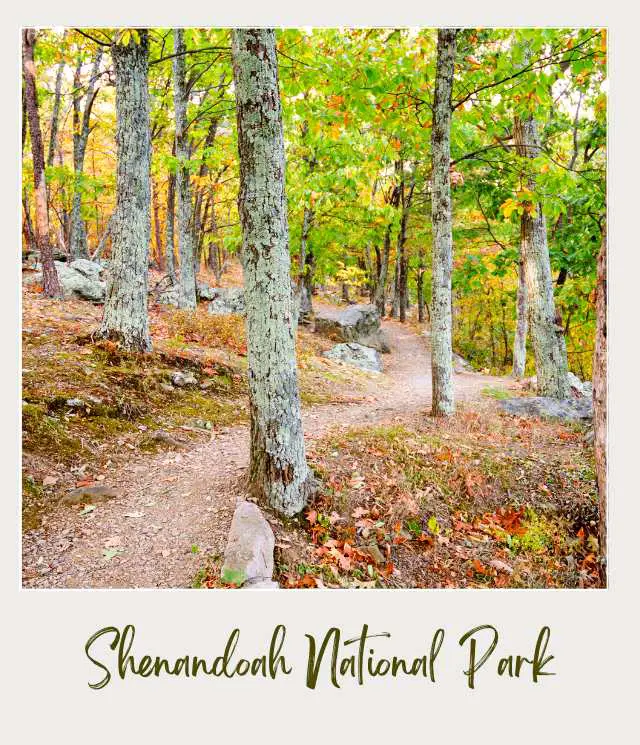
45, 672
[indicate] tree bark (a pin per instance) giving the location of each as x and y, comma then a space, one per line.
520, 337
125, 318
187, 284
546, 333
600, 402
441, 320
169, 229
306, 267
278, 468
156, 225
379, 296
81, 129
50, 281
55, 115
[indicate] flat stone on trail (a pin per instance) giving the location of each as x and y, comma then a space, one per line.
552, 408
356, 355
248, 557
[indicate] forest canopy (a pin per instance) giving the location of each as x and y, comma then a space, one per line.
357, 115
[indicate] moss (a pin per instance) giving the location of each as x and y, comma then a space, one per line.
196, 404
47, 434
33, 503
497, 393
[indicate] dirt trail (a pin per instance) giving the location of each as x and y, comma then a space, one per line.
176, 507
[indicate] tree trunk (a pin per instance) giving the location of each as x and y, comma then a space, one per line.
600, 402
278, 467
50, 281
125, 318
55, 115
520, 337
81, 119
420, 290
546, 334
157, 230
169, 229
441, 347
379, 296
187, 294
306, 268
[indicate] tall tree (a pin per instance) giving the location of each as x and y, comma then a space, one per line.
81, 131
441, 346
187, 294
600, 401
55, 114
278, 467
125, 318
50, 281
520, 336
545, 329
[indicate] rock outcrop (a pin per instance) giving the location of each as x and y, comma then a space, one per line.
357, 323
357, 355
82, 279
226, 301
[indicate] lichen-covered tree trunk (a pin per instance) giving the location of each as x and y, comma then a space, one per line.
81, 129
546, 334
50, 281
520, 336
600, 402
169, 229
55, 114
157, 228
187, 284
441, 320
306, 268
278, 467
379, 299
125, 318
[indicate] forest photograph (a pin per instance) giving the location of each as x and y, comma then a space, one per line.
314, 308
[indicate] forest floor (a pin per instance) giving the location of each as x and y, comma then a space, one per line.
481, 500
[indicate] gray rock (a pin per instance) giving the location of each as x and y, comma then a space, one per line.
248, 557
357, 323
227, 301
356, 355
169, 296
553, 408
81, 279
75, 403
183, 379
204, 292
460, 365
580, 389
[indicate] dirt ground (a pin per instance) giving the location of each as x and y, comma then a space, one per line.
174, 509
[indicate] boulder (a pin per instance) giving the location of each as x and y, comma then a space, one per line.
183, 379
227, 301
357, 355
460, 365
82, 279
204, 292
169, 296
357, 323
248, 557
576, 409
580, 389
